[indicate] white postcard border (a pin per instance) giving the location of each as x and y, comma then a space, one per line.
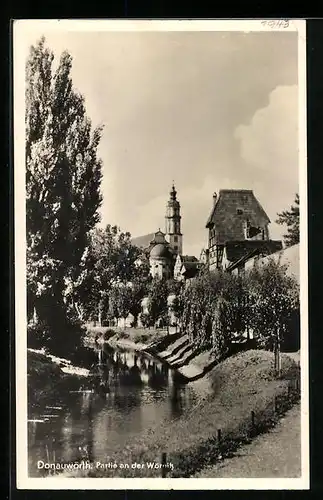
23, 27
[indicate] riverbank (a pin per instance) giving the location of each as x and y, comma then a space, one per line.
40, 363
170, 347
137, 339
237, 399
246, 399
47, 374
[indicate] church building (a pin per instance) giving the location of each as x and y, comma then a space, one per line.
161, 248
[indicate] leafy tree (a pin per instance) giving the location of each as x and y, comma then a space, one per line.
217, 307
63, 176
175, 289
174, 286
197, 304
157, 295
273, 298
120, 301
113, 261
145, 320
212, 311
290, 218
139, 290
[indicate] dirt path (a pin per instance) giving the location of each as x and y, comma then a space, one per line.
274, 454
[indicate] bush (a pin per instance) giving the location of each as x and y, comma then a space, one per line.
123, 335
60, 336
109, 333
142, 338
38, 336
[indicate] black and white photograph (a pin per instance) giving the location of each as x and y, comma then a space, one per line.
161, 254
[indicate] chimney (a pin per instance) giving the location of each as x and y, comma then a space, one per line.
215, 197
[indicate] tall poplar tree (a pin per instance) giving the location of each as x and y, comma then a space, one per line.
63, 177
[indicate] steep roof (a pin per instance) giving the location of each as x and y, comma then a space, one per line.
237, 250
231, 209
188, 258
189, 269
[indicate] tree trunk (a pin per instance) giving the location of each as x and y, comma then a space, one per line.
78, 311
248, 333
278, 354
35, 316
277, 357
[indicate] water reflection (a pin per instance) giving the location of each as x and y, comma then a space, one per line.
86, 418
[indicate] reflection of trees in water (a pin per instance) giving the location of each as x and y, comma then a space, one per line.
179, 395
124, 400
83, 356
121, 369
176, 400
121, 375
143, 364
118, 369
157, 376
75, 440
87, 449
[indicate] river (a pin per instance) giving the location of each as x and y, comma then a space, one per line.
86, 418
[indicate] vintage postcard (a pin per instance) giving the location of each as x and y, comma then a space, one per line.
161, 254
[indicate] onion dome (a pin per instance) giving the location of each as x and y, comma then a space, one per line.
160, 250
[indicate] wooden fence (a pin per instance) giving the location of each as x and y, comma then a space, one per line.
259, 422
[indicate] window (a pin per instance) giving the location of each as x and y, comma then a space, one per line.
175, 247
175, 239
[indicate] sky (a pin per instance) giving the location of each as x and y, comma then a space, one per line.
207, 110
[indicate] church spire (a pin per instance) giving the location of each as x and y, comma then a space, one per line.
173, 192
173, 222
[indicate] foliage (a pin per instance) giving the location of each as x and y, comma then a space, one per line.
63, 176
117, 275
210, 311
120, 301
157, 300
145, 320
217, 308
174, 286
290, 218
273, 297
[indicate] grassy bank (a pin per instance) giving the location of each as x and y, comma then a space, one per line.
246, 399
136, 338
274, 454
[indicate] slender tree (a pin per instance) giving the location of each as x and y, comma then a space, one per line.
273, 299
290, 218
63, 176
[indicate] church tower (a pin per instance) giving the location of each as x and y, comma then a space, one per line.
173, 223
